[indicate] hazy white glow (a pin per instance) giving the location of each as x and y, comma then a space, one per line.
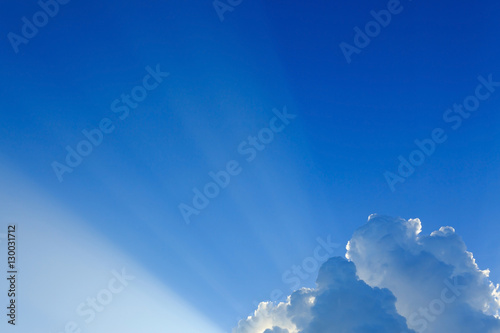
62, 263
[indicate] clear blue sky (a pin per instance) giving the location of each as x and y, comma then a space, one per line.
323, 174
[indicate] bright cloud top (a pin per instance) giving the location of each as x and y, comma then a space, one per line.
395, 280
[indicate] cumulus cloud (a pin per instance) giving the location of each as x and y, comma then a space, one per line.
340, 303
437, 283
395, 280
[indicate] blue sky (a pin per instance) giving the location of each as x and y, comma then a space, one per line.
323, 174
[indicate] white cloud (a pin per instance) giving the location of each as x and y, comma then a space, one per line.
396, 280
436, 281
269, 318
340, 301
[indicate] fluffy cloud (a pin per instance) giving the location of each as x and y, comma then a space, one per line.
341, 301
396, 280
437, 283
268, 318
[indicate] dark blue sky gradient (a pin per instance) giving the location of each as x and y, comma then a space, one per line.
323, 175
